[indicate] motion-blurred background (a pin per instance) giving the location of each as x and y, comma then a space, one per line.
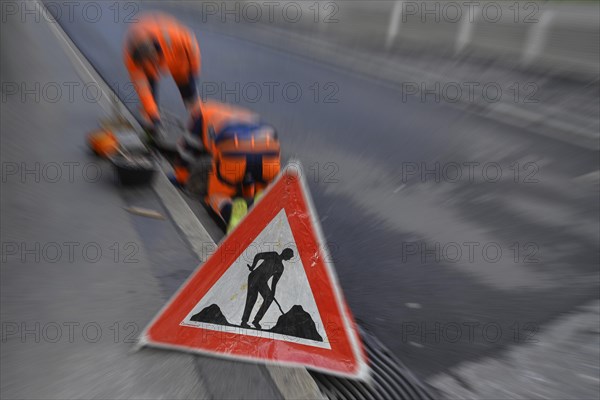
452, 150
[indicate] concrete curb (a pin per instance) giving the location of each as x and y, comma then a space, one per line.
292, 383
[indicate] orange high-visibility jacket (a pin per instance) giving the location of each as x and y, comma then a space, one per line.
231, 134
179, 55
216, 115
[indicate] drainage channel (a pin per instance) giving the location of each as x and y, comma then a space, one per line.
390, 379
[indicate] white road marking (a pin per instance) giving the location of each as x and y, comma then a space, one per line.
399, 188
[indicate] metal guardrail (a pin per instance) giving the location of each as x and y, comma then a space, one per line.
551, 36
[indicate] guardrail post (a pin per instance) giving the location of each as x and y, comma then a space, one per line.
465, 31
536, 38
394, 25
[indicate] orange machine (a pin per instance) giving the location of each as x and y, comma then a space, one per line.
103, 143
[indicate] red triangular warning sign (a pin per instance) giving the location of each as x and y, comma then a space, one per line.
269, 293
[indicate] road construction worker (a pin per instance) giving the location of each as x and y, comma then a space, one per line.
271, 267
245, 158
158, 44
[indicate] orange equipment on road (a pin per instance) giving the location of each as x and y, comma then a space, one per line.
103, 142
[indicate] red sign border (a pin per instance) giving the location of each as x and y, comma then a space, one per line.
346, 347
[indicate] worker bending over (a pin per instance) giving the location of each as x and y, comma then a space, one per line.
158, 44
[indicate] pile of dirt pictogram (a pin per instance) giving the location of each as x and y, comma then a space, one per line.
297, 322
211, 315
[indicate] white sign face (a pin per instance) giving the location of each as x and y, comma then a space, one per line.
234, 303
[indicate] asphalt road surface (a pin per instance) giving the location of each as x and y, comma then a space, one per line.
454, 237
80, 276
